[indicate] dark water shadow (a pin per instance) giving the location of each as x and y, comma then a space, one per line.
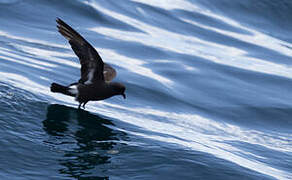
86, 140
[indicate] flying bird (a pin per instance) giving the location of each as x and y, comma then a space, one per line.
96, 76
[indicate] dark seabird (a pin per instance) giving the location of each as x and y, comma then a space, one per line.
95, 82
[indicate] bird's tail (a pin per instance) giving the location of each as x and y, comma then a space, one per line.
57, 88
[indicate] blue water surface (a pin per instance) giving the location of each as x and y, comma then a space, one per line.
208, 90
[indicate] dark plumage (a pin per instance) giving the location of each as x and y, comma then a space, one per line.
95, 82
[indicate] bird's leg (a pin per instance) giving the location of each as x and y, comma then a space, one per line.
79, 105
84, 104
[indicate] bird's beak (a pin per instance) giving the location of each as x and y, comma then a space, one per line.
124, 95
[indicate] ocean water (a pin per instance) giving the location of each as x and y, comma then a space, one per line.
209, 90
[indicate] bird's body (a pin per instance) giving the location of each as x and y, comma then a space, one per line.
95, 92
95, 82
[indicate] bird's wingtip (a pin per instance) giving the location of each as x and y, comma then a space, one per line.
59, 20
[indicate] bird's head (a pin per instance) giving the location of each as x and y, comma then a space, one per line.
119, 89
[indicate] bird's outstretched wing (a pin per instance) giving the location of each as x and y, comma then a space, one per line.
92, 66
109, 72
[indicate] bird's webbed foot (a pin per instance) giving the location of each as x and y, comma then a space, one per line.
84, 105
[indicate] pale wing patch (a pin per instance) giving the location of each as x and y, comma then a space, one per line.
90, 77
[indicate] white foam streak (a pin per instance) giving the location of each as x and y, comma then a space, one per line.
242, 60
202, 134
192, 130
133, 65
42, 53
29, 40
170, 4
21, 60
23, 83
191, 45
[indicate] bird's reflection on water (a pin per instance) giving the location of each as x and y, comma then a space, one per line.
84, 138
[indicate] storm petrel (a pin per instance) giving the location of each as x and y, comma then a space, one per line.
95, 82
